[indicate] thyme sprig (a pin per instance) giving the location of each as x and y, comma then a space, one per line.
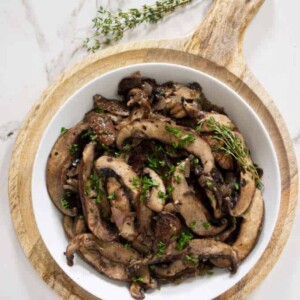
234, 146
109, 27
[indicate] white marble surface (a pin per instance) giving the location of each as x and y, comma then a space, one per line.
39, 39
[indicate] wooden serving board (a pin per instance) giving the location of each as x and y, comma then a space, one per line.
215, 48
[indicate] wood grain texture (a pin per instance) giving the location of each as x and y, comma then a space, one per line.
215, 48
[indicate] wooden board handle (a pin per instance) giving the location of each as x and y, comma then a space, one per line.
219, 37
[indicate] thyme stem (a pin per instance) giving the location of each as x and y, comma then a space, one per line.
109, 27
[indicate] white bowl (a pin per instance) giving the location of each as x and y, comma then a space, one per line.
49, 219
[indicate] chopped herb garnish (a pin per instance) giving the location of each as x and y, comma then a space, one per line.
63, 130
196, 161
148, 183
184, 140
162, 163
111, 196
236, 186
81, 217
103, 147
100, 194
127, 245
199, 125
87, 190
184, 238
192, 225
136, 183
187, 140
173, 130
152, 162
138, 279
210, 273
162, 195
206, 225
89, 135
161, 249
169, 191
208, 183
181, 168
178, 179
74, 149
64, 202
99, 110
127, 148
192, 259
151, 267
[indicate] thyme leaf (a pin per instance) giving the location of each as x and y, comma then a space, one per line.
109, 27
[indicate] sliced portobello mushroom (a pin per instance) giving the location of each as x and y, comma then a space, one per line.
247, 188
218, 118
136, 291
121, 215
166, 226
110, 166
250, 230
113, 251
143, 273
209, 248
58, 163
224, 160
156, 200
175, 268
93, 217
169, 254
160, 130
102, 125
111, 269
115, 107
100, 263
190, 207
128, 83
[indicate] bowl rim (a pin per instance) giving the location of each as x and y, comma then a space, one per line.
189, 69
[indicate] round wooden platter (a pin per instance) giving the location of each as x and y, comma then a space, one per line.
215, 48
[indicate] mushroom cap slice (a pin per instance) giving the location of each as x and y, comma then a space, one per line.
251, 226
90, 207
175, 269
249, 231
113, 251
113, 270
121, 210
166, 226
100, 263
136, 291
155, 201
209, 248
102, 126
219, 118
189, 206
247, 187
115, 107
59, 161
117, 167
155, 129
224, 160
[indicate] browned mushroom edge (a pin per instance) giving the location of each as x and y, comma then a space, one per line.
59, 161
